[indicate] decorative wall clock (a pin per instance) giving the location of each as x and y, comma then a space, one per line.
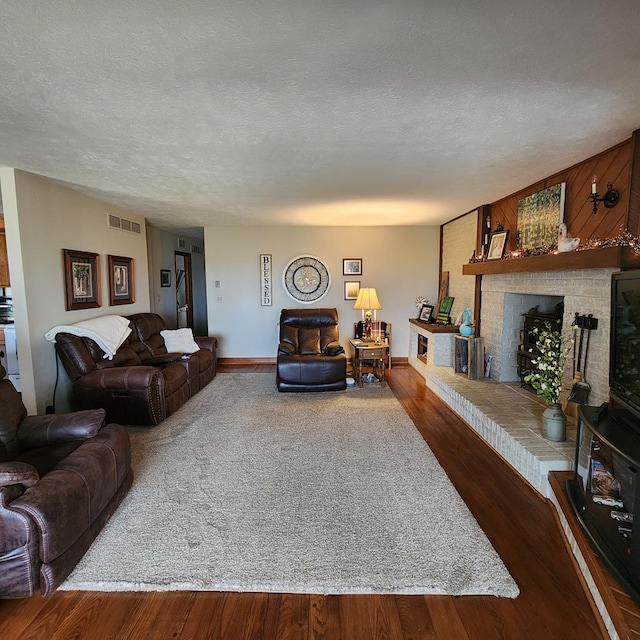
306, 279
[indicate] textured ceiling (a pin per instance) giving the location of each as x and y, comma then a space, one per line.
306, 112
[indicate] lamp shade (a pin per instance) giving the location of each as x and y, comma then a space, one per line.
367, 299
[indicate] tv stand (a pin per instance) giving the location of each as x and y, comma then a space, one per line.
605, 493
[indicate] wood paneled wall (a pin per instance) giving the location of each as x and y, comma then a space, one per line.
615, 166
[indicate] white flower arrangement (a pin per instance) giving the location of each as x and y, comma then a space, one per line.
420, 300
547, 376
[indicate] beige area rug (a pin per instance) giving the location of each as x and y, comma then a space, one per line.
247, 489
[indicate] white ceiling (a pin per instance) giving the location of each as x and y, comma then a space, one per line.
312, 112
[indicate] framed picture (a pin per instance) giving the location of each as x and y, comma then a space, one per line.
351, 290
497, 245
165, 277
352, 266
81, 279
120, 280
426, 312
445, 310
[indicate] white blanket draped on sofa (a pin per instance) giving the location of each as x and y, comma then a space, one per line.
109, 332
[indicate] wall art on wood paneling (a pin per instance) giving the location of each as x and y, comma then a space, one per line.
539, 216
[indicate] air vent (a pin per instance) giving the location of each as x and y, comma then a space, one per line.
196, 249
123, 224
182, 243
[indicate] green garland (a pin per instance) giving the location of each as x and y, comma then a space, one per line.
625, 239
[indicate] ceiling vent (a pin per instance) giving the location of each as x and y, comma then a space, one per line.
115, 222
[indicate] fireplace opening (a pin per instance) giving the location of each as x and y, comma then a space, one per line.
522, 313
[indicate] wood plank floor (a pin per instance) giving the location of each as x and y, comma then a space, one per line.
520, 524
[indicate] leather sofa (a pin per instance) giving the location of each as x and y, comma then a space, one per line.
61, 479
142, 384
310, 356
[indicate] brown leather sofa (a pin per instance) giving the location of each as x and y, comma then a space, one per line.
61, 479
310, 356
142, 384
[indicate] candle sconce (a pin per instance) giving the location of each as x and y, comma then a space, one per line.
609, 199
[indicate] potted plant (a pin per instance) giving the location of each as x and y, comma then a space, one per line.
546, 378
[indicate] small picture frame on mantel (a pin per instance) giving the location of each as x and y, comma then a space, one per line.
497, 245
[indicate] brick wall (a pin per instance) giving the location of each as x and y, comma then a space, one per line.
458, 244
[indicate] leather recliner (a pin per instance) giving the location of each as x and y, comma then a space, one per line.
310, 356
61, 478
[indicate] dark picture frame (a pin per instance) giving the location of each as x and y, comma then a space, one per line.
497, 245
120, 280
426, 313
352, 266
81, 279
351, 289
165, 277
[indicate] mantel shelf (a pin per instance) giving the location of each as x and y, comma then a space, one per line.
607, 257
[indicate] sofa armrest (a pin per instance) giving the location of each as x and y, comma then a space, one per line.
120, 378
39, 431
207, 342
15, 472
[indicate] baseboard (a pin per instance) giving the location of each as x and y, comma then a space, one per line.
254, 361
246, 361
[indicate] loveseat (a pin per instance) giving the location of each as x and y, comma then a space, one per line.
143, 383
310, 356
61, 478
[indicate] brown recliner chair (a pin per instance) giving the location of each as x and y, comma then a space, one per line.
310, 357
61, 478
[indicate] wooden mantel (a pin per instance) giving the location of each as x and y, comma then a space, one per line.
608, 257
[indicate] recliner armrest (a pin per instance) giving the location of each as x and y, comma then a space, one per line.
286, 349
38, 431
333, 349
15, 472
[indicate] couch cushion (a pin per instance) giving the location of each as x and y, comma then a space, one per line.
174, 376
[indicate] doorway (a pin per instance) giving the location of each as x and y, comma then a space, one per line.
184, 290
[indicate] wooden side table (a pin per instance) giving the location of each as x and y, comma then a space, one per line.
371, 354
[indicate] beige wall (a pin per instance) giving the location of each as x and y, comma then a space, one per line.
458, 245
400, 262
42, 218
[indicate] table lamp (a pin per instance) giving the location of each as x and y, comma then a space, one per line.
367, 302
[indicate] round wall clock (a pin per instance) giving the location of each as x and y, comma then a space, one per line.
306, 279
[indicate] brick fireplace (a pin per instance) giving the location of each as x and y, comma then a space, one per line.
505, 297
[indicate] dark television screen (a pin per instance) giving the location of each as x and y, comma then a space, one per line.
624, 366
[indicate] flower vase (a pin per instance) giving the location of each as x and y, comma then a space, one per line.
466, 328
554, 423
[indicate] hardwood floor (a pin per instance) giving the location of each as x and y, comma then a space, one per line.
520, 524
